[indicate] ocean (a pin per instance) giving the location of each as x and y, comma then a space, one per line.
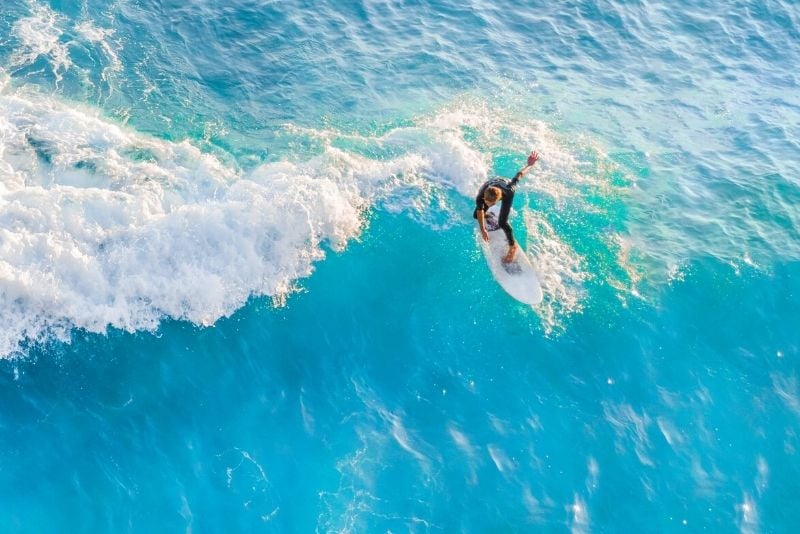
240, 289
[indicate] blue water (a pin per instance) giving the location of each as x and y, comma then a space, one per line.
240, 290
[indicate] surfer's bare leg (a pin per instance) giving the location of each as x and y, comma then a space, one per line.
512, 251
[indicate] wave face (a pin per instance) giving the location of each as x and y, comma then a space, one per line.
239, 288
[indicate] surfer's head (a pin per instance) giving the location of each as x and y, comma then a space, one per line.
492, 195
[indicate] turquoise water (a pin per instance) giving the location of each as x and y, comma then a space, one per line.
241, 292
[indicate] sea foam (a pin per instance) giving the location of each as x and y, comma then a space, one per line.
40, 35
101, 226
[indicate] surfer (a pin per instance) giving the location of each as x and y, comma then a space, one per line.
502, 190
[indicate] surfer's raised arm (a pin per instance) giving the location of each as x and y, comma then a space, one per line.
533, 157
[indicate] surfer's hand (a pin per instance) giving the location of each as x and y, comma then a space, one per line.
485, 235
512, 250
534, 156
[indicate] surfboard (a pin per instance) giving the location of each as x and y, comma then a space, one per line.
517, 278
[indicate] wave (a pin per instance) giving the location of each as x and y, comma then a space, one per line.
103, 226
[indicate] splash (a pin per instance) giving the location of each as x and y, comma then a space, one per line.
561, 270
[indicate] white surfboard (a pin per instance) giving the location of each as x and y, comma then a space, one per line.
517, 277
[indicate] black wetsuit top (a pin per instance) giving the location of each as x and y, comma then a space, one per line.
508, 187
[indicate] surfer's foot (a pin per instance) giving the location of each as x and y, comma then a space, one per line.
512, 251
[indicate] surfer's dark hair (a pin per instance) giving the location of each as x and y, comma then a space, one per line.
491, 194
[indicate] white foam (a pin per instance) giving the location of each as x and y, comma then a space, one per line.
40, 35
469, 451
462, 441
433, 148
46, 34
580, 516
501, 460
102, 226
672, 434
561, 272
102, 38
748, 515
593, 475
762, 477
532, 504
788, 390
